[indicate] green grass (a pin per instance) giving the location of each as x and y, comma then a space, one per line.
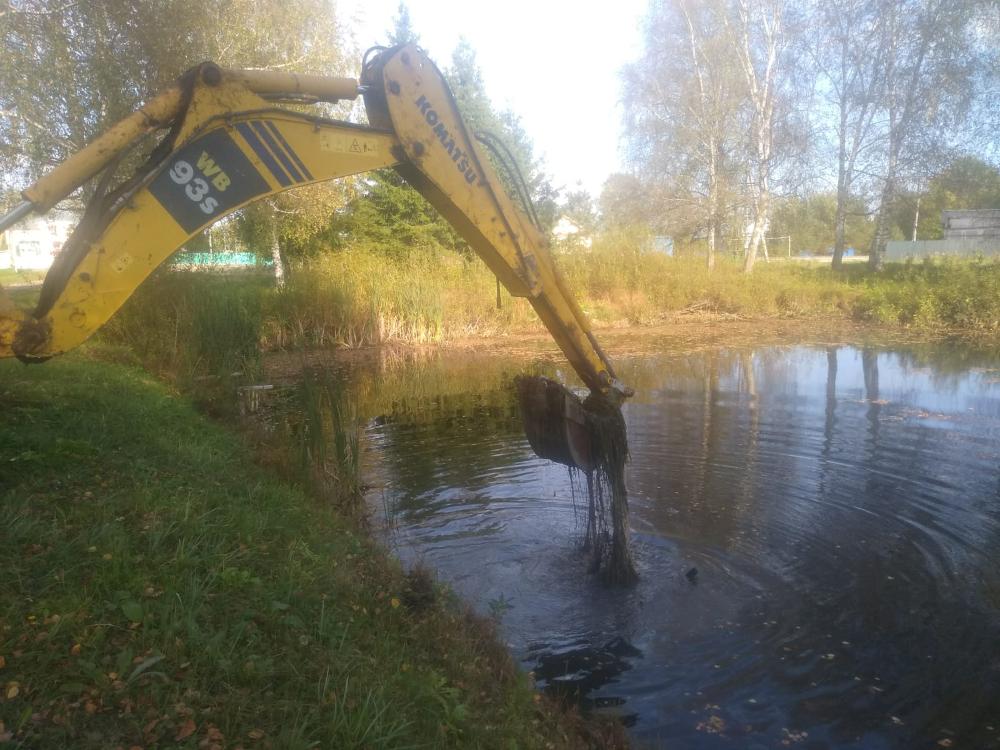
9, 276
956, 296
160, 589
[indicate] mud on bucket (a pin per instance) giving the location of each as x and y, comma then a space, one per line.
589, 436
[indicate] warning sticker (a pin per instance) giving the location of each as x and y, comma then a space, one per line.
341, 143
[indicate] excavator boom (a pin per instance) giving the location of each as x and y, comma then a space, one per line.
229, 144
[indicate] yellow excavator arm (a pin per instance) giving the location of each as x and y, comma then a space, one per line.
229, 144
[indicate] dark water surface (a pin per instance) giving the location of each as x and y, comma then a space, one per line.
841, 507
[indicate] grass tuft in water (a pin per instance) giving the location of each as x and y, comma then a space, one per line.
328, 436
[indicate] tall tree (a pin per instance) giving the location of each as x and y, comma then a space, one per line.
466, 81
844, 55
384, 212
624, 202
682, 101
756, 30
71, 69
929, 69
403, 31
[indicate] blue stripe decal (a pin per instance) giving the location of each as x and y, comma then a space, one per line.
269, 140
262, 153
298, 162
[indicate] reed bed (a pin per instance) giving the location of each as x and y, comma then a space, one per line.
198, 324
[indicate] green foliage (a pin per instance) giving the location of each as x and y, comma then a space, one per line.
623, 281
362, 297
391, 217
954, 295
811, 223
967, 183
578, 206
466, 81
402, 28
624, 202
190, 326
70, 70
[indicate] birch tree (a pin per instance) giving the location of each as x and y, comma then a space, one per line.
682, 103
757, 35
930, 68
845, 55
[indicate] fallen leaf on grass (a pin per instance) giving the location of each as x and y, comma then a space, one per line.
3, 662
12, 691
75, 650
187, 729
213, 733
255, 734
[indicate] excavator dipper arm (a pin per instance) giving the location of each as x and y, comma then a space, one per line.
229, 145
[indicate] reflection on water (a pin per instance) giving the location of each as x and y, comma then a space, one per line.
841, 507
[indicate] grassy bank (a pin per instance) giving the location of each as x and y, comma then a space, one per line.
162, 590
361, 298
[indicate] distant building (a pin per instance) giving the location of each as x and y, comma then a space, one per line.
966, 233
971, 225
569, 232
664, 244
34, 244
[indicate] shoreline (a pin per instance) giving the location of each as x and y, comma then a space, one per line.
168, 587
681, 334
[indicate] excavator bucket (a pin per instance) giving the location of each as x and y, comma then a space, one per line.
555, 422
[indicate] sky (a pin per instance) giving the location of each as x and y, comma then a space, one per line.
554, 63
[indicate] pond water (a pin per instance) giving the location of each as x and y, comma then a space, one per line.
817, 531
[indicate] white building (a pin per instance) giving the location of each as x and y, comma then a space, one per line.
967, 233
567, 231
34, 243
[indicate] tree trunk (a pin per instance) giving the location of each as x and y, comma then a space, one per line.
276, 258
710, 260
876, 256
762, 207
751, 254
713, 202
840, 231
840, 222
